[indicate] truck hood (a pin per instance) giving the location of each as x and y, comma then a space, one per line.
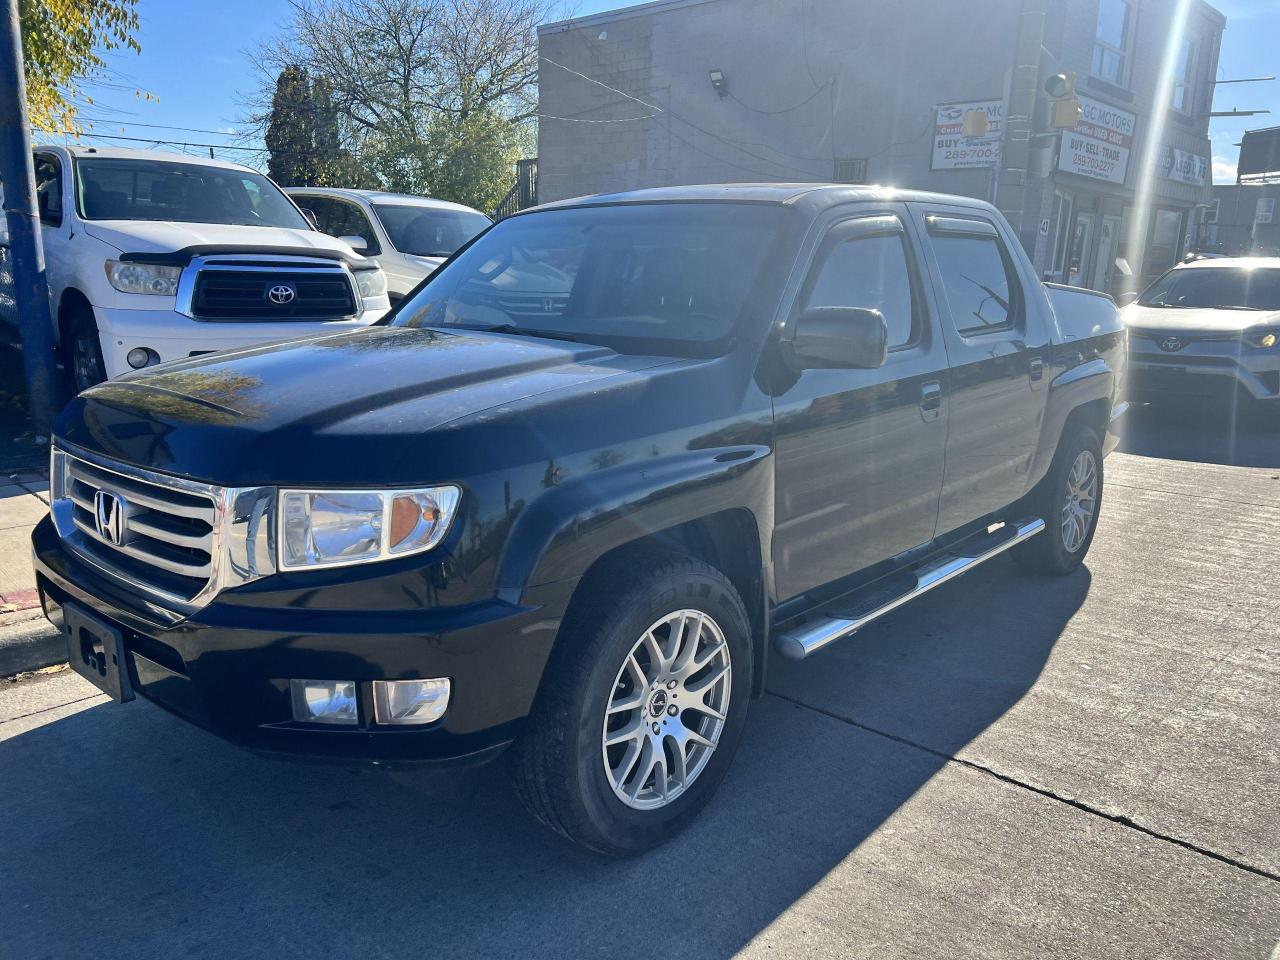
156, 236
368, 407
1197, 319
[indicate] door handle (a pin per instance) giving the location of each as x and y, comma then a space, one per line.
1037, 368
931, 397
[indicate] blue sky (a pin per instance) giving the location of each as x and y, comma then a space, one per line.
197, 65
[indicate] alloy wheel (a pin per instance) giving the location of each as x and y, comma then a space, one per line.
1080, 502
667, 709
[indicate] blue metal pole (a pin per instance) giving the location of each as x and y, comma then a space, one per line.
31, 288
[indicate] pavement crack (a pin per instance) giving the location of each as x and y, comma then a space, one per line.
1191, 496
1117, 818
56, 706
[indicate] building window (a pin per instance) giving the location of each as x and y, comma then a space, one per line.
1184, 77
1211, 211
851, 170
1111, 44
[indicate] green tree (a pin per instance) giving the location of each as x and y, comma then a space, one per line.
291, 131
63, 48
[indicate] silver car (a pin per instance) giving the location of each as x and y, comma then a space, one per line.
408, 236
1208, 328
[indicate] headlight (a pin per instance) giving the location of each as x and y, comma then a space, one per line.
326, 528
1265, 340
149, 278
372, 283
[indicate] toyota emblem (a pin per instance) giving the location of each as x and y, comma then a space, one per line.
1171, 344
281, 294
108, 516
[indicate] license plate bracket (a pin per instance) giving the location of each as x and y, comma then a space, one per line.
96, 651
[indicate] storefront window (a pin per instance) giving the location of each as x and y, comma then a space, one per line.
1165, 245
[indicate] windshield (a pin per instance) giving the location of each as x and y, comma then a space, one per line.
1231, 288
428, 232
117, 189
642, 277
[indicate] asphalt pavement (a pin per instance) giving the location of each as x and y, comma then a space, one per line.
1010, 767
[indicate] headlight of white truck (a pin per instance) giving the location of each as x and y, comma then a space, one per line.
330, 528
372, 283
154, 279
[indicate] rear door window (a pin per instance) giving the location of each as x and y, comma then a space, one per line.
977, 275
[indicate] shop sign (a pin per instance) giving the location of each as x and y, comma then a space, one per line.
1098, 145
952, 150
1184, 167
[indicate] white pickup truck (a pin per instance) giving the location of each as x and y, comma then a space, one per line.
154, 257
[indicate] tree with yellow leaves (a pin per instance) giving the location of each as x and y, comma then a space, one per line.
63, 47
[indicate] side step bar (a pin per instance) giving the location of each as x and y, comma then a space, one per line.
800, 642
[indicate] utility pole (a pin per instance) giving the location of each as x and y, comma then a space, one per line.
30, 285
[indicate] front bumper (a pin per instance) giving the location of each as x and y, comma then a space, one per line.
226, 667
177, 337
1203, 368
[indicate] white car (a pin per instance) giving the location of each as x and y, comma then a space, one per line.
154, 257
1208, 328
408, 236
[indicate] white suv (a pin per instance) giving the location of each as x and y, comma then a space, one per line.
154, 257
408, 236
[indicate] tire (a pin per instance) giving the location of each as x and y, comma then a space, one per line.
82, 354
559, 764
1062, 547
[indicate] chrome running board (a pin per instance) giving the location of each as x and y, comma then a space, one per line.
802, 641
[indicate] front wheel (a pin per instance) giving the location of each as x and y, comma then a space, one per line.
1068, 499
642, 709
83, 356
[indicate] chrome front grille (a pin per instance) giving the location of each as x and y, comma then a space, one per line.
226, 288
161, 527
176, 541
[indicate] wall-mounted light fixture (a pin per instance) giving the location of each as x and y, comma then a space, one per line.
717, 81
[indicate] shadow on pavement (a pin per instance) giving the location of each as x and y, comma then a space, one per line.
1203, 431
126, 832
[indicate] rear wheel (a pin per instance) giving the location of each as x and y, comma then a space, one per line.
642, 709
1068, 499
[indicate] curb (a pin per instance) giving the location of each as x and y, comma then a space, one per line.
30, 645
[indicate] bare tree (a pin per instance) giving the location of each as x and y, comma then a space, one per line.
407, 78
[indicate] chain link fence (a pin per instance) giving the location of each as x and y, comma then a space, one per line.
8, 307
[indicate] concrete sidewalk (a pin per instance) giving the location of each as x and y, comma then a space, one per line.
27, 642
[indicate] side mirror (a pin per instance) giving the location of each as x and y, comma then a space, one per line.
358, 244
311, 217
1126, 298
854, 337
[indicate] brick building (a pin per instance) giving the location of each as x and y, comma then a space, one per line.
685, 91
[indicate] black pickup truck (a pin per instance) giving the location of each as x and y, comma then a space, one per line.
568, 496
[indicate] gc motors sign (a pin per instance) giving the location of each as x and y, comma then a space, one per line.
1099, 144
952, 150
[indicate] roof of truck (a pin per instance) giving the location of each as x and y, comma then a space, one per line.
129, 153
819, 194
379, 196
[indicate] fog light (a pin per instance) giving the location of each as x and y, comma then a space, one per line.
140, 357
52, 609
410, 701
1267, 340
323, 701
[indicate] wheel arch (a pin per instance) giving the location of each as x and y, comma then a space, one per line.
69, 304
728, 540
